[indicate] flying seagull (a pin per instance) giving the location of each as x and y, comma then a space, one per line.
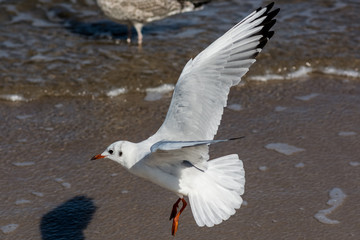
176, 157
137, 13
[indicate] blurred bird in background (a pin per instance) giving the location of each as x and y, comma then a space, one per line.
137, 13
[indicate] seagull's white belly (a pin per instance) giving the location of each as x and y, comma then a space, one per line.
170, 181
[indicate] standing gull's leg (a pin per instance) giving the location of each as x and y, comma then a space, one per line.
128, 40
138, 28
175, 215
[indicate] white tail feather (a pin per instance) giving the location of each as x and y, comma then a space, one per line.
216, 192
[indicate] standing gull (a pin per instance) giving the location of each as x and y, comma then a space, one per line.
176, 157
139, 12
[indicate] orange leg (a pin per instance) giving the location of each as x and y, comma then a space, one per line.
174, 209
175, 215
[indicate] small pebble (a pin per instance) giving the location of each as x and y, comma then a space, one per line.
66, 185
307, 97
345, 134
354, 164
23, 164
22, 117
9, 228
280, 108
38, 194
299, 165
59, 105
235, 107
22, 201
284, 148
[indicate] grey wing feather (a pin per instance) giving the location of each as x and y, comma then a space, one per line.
172, 152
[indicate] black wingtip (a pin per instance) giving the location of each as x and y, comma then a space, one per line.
272, 14
263, 41
236, 138
270, 34
267, 26
270, 5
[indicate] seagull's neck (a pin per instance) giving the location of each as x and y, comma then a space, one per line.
136, 152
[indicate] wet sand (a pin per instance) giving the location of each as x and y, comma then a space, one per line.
46, 145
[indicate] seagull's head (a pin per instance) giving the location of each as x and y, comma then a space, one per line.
119, 152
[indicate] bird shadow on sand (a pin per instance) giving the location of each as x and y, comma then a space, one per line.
69, 220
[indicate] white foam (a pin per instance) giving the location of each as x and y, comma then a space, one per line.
284, 148
263, 168
337, 197
235, 107
59, 105
244, 203
280, 108
25, 116
22, 201
301, 72
12, 97
307, 97
43, 58
345, 134
304, 71
116, 92
124, 191
23, 164
64, 184
35, 80
154, 94
354, 164
341, 72
267, 77
9, 228
300, 165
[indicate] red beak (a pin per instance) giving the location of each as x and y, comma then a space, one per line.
97, 157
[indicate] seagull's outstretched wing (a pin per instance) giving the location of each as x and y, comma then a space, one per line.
201, 92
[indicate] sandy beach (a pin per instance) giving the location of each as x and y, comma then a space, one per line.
50, 189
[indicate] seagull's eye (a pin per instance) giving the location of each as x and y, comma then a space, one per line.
120, 153
111, 151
